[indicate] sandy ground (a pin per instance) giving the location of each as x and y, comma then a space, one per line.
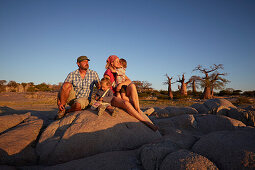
42, 105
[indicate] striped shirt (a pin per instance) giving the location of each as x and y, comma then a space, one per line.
83, 87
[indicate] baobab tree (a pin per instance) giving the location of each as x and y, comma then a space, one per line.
218, 82
169, 83
211, 79
184, 84
194, 80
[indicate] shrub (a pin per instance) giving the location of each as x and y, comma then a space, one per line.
243, 100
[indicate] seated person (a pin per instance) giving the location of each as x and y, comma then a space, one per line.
104, 97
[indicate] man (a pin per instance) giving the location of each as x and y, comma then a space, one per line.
77, 88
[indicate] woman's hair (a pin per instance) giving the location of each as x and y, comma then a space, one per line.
110, 60
106, 81
123, 62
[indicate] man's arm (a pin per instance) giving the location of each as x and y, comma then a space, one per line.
97, 81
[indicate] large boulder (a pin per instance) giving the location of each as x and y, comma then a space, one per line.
210, 123
201, 108
184, 159
183, 124
124, 160
17, 145
229, 149
172, 111
9, 121
84, 133
218, 104
152, 155
224, 107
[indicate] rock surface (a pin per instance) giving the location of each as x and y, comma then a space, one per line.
84, 134
9, 121
226, 108
151, 155
16, 145
172, 111
229, 149
119, 160
184, 159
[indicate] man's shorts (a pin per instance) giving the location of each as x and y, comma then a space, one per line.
84, 101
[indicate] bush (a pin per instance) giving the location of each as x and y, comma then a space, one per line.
225, 93
32, 89
163, 97
249, 93
43, 87
243, 100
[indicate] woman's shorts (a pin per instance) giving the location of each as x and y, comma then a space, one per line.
123, 89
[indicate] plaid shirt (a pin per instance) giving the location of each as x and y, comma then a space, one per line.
83, 87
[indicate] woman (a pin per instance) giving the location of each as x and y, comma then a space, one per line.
132, 104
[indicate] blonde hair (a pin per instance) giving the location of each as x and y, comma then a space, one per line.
123, 62
106, 81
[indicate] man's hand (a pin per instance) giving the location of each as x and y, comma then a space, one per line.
100, 99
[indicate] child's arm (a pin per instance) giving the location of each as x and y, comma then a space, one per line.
98, 95
126, 82
108, 97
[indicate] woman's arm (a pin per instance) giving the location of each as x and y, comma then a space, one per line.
126, 82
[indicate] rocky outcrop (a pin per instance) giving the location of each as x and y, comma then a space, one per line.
184, 159
84, 140
83, 134
123, 160
16, 145
226, 108
229, 149
172, 111
210, 123
9, 121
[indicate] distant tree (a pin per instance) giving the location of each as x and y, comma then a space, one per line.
218, 82
43, 87
194, 80
142, 86
3, 82
237, 92
2, 85
184, 84
12, 84
212, 79
169, 83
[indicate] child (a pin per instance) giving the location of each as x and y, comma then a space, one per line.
104, 97
121, 77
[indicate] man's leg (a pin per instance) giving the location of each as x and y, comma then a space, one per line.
79, 104
64, 97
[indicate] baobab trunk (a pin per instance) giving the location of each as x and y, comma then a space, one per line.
194, 90
207, 93
170, 93
184, 89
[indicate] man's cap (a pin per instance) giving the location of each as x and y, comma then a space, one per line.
81, 58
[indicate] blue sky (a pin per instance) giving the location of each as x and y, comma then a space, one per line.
41, 39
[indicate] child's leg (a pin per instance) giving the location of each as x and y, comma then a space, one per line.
124, 96
110, 108
101, 110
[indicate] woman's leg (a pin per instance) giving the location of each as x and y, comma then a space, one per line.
117, 102
133, 96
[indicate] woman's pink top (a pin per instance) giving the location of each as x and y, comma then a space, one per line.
112, 76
